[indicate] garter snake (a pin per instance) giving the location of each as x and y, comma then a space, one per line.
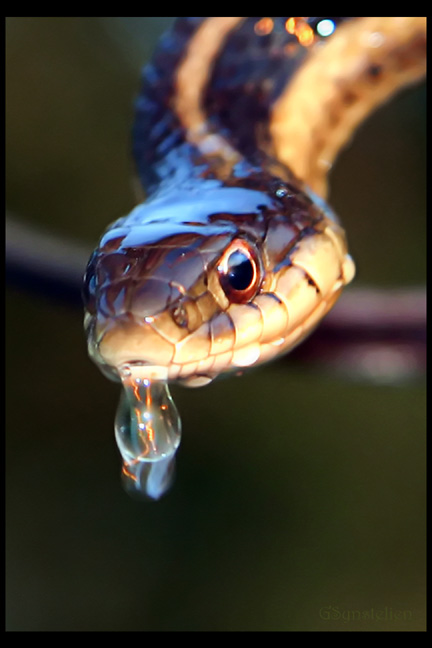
235, 257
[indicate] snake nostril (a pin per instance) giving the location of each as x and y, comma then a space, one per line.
179, 315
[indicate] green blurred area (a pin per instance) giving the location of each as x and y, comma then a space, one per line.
299, 496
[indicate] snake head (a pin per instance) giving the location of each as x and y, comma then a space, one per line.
199, 282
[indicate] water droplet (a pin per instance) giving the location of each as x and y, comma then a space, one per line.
148, 479
147, 424
281, 192
148, 431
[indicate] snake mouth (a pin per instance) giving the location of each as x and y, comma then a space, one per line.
124, 340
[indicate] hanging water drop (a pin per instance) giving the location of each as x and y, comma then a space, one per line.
148, 479
147, 429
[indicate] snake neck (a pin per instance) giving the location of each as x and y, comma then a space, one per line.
207, 96
220, 92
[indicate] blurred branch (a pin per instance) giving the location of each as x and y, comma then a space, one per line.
43, 263
374, 333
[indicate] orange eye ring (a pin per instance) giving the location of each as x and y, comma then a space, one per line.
240, 271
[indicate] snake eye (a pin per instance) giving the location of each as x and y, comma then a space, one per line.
240, 271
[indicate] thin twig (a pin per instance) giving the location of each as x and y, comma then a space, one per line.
43, 262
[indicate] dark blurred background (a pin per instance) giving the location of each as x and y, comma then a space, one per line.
299, 501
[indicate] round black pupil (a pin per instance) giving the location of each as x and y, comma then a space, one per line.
240, 270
